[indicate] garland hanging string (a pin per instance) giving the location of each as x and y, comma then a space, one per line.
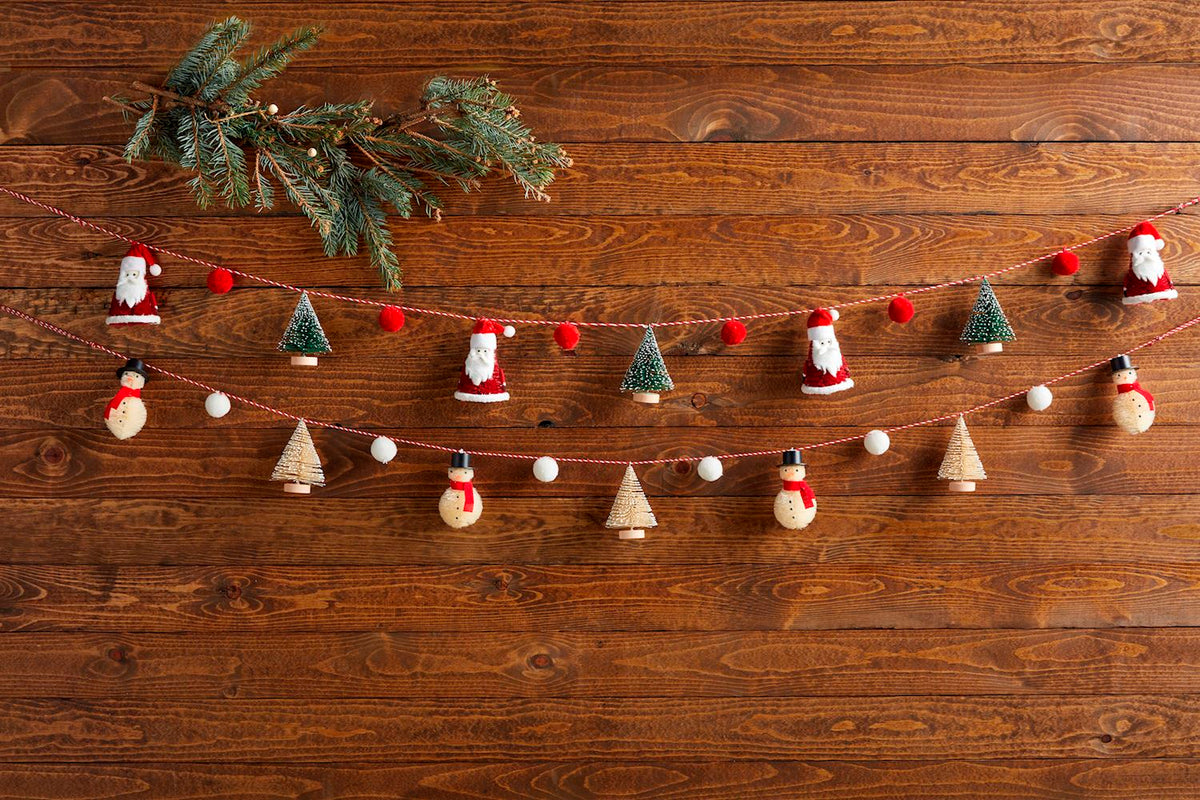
1180, 328
1178, 209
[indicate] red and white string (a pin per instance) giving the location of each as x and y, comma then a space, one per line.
577, 459
583, 323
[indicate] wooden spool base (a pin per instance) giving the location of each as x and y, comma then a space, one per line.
632, 533
650, 398
990, 347
304, 361
297, 488
962, 486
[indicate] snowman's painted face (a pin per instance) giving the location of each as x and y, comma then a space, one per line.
793, 472
461, 474
132, 380
1125, 376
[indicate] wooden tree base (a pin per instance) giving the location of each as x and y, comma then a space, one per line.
990, 347
632, 533
304, 361
649, 398
962, 486
297, 488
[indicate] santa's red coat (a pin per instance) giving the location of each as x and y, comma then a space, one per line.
1136, 287
145, 312
816, 377
493, 385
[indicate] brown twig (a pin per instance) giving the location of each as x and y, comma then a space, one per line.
191, 101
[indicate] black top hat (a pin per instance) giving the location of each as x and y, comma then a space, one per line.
1121, 362
461, 460
133, 365
792, 458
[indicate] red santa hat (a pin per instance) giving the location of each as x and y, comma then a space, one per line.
1144, 235
820, 323
142, 256
483, 335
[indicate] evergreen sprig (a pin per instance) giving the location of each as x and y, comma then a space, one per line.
343, 166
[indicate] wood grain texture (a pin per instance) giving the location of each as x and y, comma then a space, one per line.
249, 322
760, 251
760, 728
571, 393
1059, 779
710, 178
885, 531
649, 102
238, 461
595, 598
378, 664
172, 627
479, 34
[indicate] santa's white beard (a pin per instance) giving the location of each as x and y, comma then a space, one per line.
480, 365
1148, 266
131, 289
827, 356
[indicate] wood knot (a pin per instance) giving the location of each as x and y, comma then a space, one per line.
117, 654
1106, 738
232, 591
53, 454
541, 661
682, 467
699, 400
501, 583
1074, 294
83, 161
546, 423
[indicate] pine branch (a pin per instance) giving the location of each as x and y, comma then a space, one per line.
340, 164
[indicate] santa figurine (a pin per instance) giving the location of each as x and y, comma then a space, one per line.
1133, 407
795, 505
460, 505
133, 303
482, 380
824, 370
1147, 279
126, 414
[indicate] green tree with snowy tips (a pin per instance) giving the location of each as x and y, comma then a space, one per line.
987, 326
647, 375
304, 335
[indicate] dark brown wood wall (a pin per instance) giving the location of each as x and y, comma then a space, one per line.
174, 627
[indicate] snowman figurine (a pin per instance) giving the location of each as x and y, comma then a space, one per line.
460, 505
126, 414
795, 505
1133, 407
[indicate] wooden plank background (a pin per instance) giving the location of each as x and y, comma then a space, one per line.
172, 627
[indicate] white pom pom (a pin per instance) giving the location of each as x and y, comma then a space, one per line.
1039, 397
155, 270
834, 314
877, 442
710, 468
383, 449
217, 405
545, 469
509, 331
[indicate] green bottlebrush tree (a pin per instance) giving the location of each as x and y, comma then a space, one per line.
987, 323
343, 165
304, 333
647, 374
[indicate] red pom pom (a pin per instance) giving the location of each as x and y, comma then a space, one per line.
391, 318
1065, 263
733, 332
220, 280
900, 309
567, 336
